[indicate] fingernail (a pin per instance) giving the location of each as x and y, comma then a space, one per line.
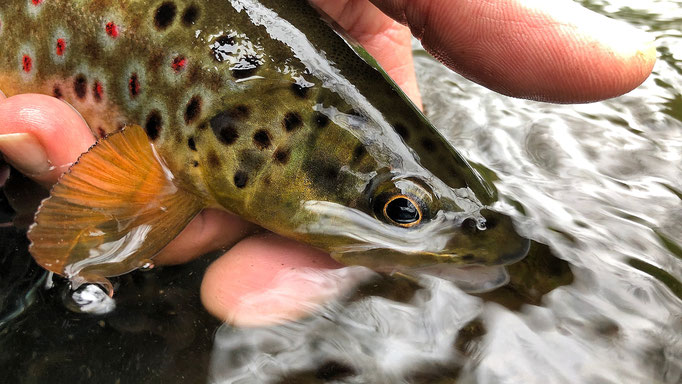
25, 153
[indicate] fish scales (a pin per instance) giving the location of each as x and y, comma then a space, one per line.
261, 109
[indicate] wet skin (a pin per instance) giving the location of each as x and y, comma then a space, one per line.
217, 297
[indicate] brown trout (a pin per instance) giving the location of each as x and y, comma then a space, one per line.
257, 107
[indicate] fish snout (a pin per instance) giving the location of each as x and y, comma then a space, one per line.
489, 238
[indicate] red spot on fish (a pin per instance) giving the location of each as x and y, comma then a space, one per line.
112, 29
134, 85
61, 46
36, 2
97, 91
179, 63
26, 63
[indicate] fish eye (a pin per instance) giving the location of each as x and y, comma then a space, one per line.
402, 210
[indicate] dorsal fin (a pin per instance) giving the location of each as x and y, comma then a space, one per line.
114, 210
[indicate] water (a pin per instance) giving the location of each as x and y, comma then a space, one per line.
599, 184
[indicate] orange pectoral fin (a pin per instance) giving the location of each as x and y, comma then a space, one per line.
115, 209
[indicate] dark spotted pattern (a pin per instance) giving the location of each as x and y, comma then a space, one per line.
240, 179
224, 124
134, 85
193, 109
190, 15
281, 155
292, 121
153, 125
213, 159
428, 144
262, 139
165, 15
299, 90
320, 120
80, 86
322, 172
358, 153
57, 92
191, 144
402, 131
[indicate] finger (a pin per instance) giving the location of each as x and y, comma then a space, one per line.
41, 135
210, 230
267, 279
536, 49
388, 41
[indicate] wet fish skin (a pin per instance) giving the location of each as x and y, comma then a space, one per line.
259, 108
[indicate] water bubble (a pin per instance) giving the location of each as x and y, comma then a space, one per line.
89, 298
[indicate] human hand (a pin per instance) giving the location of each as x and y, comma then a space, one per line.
264, 278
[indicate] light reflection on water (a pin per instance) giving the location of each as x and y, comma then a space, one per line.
600, 183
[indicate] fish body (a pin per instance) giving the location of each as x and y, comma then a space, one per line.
257, 107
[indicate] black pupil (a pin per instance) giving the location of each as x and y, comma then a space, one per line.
402, 211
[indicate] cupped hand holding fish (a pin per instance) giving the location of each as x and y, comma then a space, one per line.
552, 51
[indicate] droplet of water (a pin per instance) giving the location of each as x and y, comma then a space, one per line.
89, 298
146, 265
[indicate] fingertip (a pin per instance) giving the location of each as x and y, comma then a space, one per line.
210, 230
267, 279
58, 130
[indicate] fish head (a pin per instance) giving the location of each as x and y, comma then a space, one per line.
408, 222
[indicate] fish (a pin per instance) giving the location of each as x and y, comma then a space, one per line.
261, 108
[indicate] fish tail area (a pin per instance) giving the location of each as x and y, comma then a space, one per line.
114, 210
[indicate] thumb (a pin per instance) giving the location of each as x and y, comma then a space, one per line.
41, 136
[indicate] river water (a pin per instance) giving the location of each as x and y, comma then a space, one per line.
598, 187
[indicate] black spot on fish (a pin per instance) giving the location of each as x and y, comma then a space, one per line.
203, 126
358, 153
292, 121
80, 86
240, 111
402, 131
193, 109
320, 120
240, 179
190, 15
134, 85
191, 144
101, 132
299, 90
153, 125
251, 160
224, 128
262, 139
246, 67
428, 144
213, 160
323, 172
165, 15
281, 155
223, 47
195, 163
57, 92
